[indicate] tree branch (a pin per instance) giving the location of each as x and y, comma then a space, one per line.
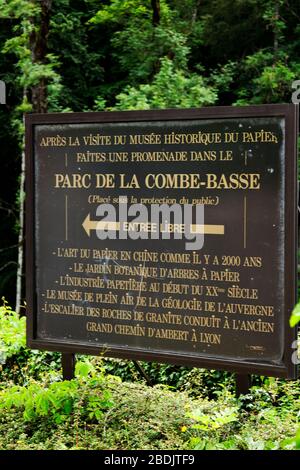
7, 264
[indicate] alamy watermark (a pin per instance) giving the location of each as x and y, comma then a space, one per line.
155, 222
296, 353
296, 93
2, 92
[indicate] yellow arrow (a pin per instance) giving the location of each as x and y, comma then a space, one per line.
208, 229
89, 225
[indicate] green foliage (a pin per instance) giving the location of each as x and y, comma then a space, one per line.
231, 32
214, 421
28, 71
273, 18
17, 363
139, 51
12, 332
170, 88
196, 382
292, 443
120, 10
268, 82
19, 8
57, 401
295, 317
80, 51
83, 369
99, 411
136, 416
210, 425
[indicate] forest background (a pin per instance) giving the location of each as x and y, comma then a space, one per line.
89, 55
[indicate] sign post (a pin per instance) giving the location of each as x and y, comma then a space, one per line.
164, 235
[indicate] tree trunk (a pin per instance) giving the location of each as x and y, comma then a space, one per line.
38, 94
276, 32
195, 12
38, 46
20, 269
156, 12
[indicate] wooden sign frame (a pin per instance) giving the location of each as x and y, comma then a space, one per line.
289, 112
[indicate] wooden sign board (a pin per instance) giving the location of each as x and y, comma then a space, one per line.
224, 306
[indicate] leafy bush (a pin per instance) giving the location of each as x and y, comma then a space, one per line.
18, 363
12, 332
211, 427
171, 88
135, 416
190, 408
58, 400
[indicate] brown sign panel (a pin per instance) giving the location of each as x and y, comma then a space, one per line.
100, 279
